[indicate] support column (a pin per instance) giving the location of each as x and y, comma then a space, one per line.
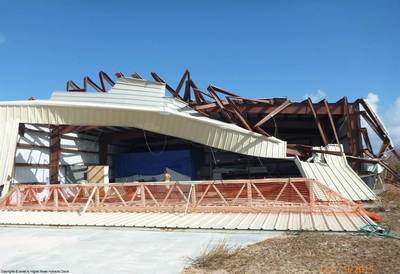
103, 151
21, 129
356, 134
55, 151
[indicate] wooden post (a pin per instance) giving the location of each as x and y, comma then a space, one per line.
55, 193
97, 196
194, 195
249, 195
55, 149
142, 194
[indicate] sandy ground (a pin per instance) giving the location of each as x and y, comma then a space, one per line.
316, 252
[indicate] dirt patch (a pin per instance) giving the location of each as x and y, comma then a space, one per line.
390, 209
309, 253
314, 252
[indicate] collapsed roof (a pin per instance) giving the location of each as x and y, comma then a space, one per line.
328, 142
303, 125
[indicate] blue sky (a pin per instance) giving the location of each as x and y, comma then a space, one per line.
255, 48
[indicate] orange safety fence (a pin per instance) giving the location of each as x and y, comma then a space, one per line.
256, 195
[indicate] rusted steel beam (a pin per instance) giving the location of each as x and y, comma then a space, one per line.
364, 133
333, 126
187, 97
364, 160
318, 122
349, 128
376, 125
300, 108
105, 78
256, 101
119, 74
356, 125
168, 87
219, 103
198, 93
373, 126
224, 91
261, 131
273, 113
383, 148
215, 96
68, 129
239, 115
373, 117
75, 129
202, 94
55, 151
44, 166
88, 81
136, 76
198, 97
186, 75
210, 106
73, 87
369, 154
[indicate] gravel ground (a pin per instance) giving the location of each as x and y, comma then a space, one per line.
315, 252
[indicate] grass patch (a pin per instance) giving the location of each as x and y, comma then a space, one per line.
211, 258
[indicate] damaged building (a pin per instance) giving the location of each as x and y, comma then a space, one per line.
134, 152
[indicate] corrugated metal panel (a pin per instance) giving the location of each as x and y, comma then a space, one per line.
226, 221
132, 92
335, 173
8, 141
164, 120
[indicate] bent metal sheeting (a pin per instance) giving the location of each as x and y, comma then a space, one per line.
155, 113
334, 172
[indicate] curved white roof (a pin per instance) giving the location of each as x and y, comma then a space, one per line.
130, 103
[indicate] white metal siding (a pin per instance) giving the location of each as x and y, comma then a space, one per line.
131, 92
8, 140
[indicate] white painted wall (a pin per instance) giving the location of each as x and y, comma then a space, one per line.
76, 161
32, 175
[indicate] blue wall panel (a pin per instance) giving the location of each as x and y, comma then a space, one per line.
146, 163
